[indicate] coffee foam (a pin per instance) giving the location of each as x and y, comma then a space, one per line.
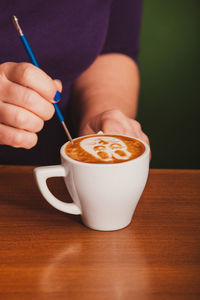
106, 148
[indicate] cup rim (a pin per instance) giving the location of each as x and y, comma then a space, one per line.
76, 162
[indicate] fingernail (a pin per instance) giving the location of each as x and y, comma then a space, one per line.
57, 96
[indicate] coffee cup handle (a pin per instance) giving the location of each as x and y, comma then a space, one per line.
41, 175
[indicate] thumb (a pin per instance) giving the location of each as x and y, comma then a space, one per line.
58, 83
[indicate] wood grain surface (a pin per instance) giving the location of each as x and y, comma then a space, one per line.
46, 254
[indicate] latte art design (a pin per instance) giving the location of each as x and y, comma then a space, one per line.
106, 148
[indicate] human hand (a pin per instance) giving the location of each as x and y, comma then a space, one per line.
26, 97
114, 122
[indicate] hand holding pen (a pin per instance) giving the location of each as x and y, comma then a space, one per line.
25, 103
26, 97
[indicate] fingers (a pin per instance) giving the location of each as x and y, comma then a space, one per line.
26, 98
145, 138
28, 75
58, 84
108, 121
115, 122
17, 138
124, 126
20, 118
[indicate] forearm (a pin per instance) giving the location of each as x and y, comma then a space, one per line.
111, 82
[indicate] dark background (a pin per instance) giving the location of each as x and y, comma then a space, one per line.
169, 106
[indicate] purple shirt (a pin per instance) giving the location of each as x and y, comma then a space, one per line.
66, 37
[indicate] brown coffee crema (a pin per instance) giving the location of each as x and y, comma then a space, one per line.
104, 149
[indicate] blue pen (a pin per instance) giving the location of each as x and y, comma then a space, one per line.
35, 63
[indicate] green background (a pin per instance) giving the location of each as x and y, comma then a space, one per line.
169, 103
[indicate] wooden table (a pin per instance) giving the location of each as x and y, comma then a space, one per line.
46, 254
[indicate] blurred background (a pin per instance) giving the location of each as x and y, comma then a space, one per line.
169, 105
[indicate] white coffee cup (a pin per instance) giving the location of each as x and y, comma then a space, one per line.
105, 195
